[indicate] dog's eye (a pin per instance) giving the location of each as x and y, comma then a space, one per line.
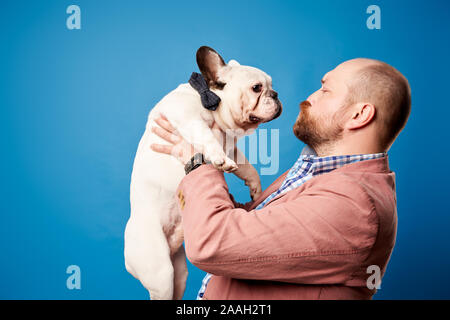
257, 87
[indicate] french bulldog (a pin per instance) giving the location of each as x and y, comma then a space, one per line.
153, 250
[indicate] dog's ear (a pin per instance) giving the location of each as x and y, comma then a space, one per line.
233, 63
209, 63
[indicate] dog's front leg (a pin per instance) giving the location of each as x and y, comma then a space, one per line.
197, 132
246, 172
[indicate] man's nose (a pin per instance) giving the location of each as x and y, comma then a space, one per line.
312, 98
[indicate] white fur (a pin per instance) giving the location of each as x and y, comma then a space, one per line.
153, 236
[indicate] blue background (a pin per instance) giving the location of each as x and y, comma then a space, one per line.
74, 105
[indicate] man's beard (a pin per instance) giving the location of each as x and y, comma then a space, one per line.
316, 133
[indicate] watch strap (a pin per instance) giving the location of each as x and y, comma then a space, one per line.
196, 161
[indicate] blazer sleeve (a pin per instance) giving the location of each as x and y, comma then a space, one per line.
321, 236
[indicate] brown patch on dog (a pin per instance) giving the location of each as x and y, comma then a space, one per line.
209, 63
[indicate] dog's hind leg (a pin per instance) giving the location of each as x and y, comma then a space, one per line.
147, 256
180, 273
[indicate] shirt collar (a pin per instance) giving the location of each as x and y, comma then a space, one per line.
308, 162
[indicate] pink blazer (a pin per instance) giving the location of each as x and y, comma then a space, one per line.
313, 242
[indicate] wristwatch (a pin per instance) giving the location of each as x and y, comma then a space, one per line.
196, 161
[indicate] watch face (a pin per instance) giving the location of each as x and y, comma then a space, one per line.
198, 158
195, 162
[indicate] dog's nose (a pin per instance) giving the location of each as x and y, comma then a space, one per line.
274, 94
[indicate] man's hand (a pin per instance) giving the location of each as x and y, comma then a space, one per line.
178, 147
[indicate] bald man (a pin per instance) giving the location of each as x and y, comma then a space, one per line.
325, 229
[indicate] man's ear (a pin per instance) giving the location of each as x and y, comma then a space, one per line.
361, 115
209, 63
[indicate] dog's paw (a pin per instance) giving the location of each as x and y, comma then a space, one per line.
222, 162
229, 165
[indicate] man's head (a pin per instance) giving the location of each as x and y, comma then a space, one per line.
363, 104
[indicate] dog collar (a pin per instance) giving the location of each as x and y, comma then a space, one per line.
210, 100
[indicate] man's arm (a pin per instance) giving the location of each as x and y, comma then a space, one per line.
319, 237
